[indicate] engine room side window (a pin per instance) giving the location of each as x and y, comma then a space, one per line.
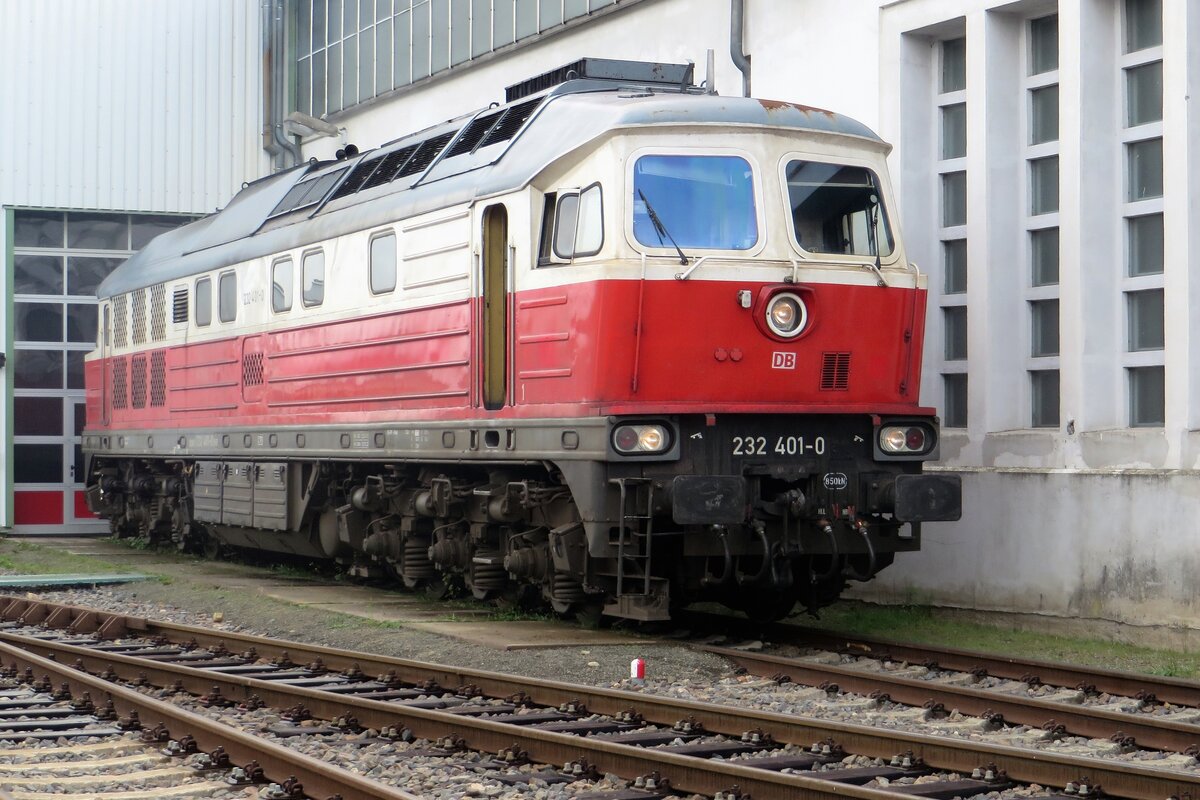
383, 263
312, 278
204, 302
702, 202
227, 297
281, 285
837, 209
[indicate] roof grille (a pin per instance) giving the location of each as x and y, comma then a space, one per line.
427, 151
392, 163
835, 372
357, 178
513, 119
308, 193
474, 133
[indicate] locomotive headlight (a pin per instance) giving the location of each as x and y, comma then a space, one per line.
786, 315
640, 438
906, 439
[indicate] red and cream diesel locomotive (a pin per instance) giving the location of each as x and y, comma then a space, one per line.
619, 343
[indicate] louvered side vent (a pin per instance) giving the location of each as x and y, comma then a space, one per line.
139, 316
158, 312
389, 166
120, 396
137, 383
425, 155
474, 133
158, 379
252, 369
121, 320
513, 119
835, 372
179, 305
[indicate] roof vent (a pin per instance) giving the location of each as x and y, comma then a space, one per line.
605, 69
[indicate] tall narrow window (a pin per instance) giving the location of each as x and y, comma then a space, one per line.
204, 302
312, 278
383, 263
955, 261
281, 286
227, 297
954, 408
956, 332
954, 199
1043, 244
1146, 245
1044, 386
954, 130
954, 65
1043, 45
1143, 24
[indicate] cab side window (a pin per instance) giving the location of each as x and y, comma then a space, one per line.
579, 223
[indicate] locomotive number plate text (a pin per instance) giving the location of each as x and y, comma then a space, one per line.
778, 445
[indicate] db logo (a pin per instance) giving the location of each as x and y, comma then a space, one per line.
783, 360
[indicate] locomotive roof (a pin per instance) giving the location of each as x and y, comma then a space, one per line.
448, 164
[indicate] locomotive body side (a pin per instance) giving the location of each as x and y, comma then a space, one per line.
538, 396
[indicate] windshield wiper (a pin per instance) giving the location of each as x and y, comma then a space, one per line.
660, 228
873, 238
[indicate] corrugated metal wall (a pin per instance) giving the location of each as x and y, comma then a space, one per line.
134, 105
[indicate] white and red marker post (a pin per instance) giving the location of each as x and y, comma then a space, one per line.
637, 671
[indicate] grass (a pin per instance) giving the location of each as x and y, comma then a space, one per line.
914, 622
30, 558
926, 625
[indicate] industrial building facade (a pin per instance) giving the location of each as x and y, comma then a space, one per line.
1046, 157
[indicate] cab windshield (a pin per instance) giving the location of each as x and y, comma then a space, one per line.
837, 209
702, 202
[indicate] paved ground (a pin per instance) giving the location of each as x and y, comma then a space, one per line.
475, 625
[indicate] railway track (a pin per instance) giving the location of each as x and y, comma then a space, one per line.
693, 747
1131, 710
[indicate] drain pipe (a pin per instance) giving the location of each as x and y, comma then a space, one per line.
737, 24
268, 85
278, 90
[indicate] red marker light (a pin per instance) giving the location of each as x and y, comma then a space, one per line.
915, 439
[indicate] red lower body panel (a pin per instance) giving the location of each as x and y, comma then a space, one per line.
576, 350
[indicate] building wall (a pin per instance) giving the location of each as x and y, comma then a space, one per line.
1081, 512
122, 105
805, 59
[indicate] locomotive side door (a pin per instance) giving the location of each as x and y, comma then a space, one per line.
494, 302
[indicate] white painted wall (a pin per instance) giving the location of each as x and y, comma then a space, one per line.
816, 52
1089, 519
125, 105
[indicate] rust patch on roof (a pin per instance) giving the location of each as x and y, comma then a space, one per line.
779, 105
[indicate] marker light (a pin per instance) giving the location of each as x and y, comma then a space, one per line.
786, 315
903, 439
640, 438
